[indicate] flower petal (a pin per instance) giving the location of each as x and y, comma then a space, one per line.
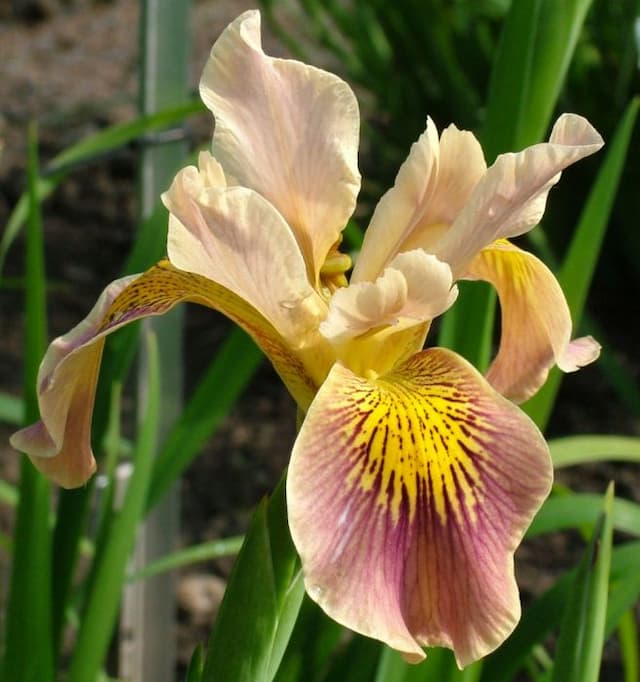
415, 286
536, 322
431, 188
511, 197
287, 130
59, 444
407, 497
235, 237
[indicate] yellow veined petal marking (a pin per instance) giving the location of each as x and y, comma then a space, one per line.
501, 258
418, 444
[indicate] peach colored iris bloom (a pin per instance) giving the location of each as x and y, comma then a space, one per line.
413, 477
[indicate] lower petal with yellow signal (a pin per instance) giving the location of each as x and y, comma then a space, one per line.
408, 494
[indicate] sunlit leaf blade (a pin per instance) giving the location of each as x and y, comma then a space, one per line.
88, 150
573, 450
102, 607
261, 601
312, 643
579, 264
576, 510
11, 409
289, 585
629, 646
206, 551
239, 645
224, 380
72, 515
582, 257
624, 593
393, 668
28, 615
194, 671
581, 637
534, 53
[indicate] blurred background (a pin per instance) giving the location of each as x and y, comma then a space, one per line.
72, 65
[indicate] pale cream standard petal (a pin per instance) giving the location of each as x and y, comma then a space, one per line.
511, 197
431, 188
536, 322
235, 237
287, 130
415, 286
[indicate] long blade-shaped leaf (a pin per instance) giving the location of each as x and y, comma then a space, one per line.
575, 510
535, 50
28, 624
581, 638
312, 644
573, 450
102, 608
261, 602
194, 672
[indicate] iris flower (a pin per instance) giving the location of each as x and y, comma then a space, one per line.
413, 477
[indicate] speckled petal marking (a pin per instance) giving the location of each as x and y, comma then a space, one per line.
162, 287
408, 494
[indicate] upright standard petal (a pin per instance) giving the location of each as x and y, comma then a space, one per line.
287, 130
59, 444
431, 188
511, 197
235, 237
407, 497
536, 322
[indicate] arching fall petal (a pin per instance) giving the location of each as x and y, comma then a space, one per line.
66, 394
511, 197
59, 444
536, 322
286, 130
407, 497
431, 188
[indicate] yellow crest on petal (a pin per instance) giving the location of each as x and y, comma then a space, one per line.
418, 445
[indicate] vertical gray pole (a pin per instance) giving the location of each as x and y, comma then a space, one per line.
148, 644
